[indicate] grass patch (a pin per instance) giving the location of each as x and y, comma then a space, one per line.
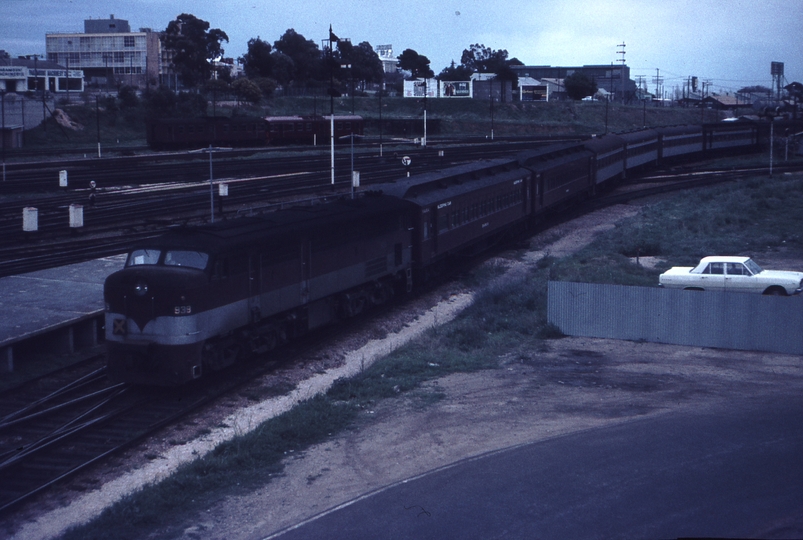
746, 217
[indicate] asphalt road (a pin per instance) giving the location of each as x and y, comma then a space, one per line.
732, 473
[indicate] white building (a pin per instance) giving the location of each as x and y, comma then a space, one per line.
22, 75
389, 62
108, 53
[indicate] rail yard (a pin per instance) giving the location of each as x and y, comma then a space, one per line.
132, 206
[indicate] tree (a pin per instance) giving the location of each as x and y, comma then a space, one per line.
481, 59
283, 67
163, 102
247, 90
266, 85
304, 53
455, 73
366, 67
128, 97
578, 86
416, 64
194, 46
258, 62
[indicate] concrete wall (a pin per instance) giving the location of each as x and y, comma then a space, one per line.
717, 319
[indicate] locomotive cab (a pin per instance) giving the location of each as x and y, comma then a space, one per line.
152, 315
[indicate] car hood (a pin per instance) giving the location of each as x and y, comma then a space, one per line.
781, 274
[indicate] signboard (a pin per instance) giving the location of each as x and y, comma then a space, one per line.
535, 93
12, 72
421, 88
456, 89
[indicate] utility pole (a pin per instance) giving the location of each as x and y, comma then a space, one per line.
658, 80
622, 69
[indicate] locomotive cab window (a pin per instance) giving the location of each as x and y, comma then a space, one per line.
143, 256
190, 259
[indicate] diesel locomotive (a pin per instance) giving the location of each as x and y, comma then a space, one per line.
199, 298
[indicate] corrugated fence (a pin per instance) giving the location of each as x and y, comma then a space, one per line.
751, 322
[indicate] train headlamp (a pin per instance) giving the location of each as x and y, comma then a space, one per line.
141, 288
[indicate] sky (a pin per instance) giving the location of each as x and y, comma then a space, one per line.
730, 43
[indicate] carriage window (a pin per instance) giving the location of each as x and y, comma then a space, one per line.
191, 259
143, 256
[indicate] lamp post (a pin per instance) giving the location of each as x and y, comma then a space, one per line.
3, 106
491, 97
381, 91
97, 120
211, 150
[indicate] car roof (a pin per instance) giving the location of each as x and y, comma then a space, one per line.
727, 259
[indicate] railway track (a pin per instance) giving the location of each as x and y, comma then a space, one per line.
126, 215
128, 212
51, 430
59, 425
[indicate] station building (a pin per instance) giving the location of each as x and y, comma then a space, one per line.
32, 74
109, 53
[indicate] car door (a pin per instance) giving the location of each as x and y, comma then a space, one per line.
713, 277
738, 278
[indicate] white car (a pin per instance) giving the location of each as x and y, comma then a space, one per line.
738, 274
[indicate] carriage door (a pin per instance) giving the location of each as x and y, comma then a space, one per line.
306, 270
255, 286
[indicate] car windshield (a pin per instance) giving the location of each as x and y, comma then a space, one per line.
191, 259
753, 267
143, 256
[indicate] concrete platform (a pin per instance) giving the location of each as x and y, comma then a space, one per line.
56, 311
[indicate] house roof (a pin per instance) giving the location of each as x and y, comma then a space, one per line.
727, 101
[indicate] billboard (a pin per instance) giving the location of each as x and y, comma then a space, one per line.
538, 92
420, 88
456, 89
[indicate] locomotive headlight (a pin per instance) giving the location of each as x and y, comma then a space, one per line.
141, 288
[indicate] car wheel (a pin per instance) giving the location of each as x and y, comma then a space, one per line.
775, 291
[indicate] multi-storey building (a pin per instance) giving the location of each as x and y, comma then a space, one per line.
109, 53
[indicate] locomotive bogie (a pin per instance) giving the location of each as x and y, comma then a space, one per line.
154, 363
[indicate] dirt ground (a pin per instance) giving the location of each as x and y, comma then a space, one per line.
572, 384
